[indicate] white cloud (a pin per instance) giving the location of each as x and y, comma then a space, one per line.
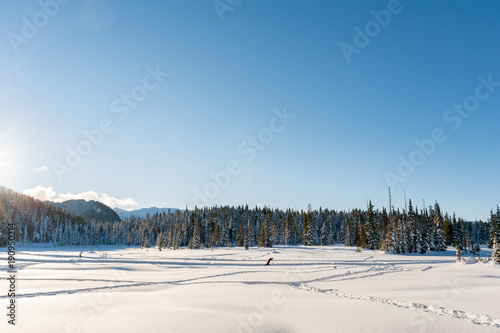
41, 169
47, 193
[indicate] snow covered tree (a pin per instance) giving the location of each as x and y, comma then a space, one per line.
412, 233
307, 231
494, 228
495, 255
439, 234
265, 234
325, 234
249, 234
371, 229
195, 242
224, 239
448, 230
458, 254
240, 236
476, 249
159, 241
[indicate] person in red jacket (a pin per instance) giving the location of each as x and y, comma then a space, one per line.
268, 261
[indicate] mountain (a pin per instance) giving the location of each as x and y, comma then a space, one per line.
89, 210
143, 212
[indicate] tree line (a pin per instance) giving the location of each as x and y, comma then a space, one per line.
411, 230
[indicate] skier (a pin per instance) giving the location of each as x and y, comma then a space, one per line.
80, 254
268, 261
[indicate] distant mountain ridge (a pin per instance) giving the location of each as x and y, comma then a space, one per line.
89, 210
122, 213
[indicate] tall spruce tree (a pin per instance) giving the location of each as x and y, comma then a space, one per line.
195, 242
494, 232
439, 234
371, 229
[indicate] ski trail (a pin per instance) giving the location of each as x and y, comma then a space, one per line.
129, 285
17, 267
478, 319
348, 275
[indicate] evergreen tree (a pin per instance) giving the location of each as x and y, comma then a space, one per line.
159, 241
439, 235
495, 255
476, 249
195, 242
458, 254
448, 230
249, 234
494, 228
265, 237
240, 236
308, 232
325, 234
371, 229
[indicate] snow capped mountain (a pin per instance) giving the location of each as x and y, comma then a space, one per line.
143, 212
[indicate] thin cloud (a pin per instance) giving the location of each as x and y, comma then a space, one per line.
48, 193
41, 169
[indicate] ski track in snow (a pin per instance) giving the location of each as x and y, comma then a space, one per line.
478, 319
134, 284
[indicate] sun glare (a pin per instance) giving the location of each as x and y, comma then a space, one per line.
10, 155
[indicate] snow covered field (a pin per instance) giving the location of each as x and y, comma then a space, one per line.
305, 289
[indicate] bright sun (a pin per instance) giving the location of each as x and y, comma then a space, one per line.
9, 155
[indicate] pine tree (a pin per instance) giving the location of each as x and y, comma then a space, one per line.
457, 232
159, 241
248, 236
224, 239
195, 242
458, 253
308, 232
240, 236
439, 235
287, 226
371, 229
265, 234
347, 232
361, 239
494, 232
325, 234
476, 249
412, 230
495, 255
391, 239
448, 230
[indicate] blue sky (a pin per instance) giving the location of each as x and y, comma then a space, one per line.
227, 80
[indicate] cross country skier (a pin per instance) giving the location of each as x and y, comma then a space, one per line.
268, 261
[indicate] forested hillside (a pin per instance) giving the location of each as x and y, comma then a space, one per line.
35, 221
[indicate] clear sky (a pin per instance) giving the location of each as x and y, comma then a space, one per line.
287, 102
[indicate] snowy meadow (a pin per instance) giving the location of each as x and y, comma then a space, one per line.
305, 289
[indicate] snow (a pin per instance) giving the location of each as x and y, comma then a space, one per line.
305, 289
